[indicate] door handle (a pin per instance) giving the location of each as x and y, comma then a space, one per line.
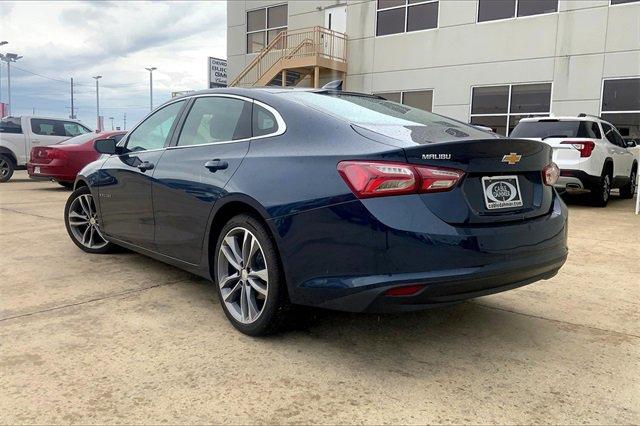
216, 164
144, 166
36, 141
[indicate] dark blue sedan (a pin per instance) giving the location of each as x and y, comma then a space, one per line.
323, 198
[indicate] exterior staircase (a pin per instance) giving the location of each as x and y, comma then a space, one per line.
295, 54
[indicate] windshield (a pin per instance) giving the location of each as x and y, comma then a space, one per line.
390, 118
553, 128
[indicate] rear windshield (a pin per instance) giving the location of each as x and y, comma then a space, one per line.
555, 128
390, 118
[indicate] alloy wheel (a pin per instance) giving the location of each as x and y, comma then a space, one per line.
633, 182
4, 168
242, 275
83, 222
606, 187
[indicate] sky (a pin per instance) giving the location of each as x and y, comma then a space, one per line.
115, 39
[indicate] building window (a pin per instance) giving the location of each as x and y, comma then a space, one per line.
399, 16
263, 25
492, 10
502, 107
614, 2
422, 99
621, 105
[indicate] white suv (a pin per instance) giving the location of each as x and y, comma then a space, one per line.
590, 152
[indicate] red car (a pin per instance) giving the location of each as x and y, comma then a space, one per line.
63, 161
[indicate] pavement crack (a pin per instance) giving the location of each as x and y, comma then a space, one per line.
97, 299
604, 330
29, 214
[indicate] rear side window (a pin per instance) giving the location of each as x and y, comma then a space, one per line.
264, 122
216, 119
554, 128
596, 130
10, 125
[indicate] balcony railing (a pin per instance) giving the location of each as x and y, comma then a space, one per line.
303, 46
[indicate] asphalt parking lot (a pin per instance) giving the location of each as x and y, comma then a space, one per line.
125, 339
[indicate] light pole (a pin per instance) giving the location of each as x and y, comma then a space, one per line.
2, 43
151, 70
98, 127
111, 118
8, 58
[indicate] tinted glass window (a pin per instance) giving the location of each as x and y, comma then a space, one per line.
255, 42
552, 128
608, 133
382, 4
536, 7
389, 118
490, 100
390, 21
614, 2
422, 16
596, 130
419, 99
216, 119
490, 10
10, 125
628, 123
621, 95
256, 20
392, 96
497, 124
529, 98
264, 122
155, 130
277, 16
47, 127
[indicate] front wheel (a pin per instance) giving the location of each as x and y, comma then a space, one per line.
6, 168
248, 277
81, 221
629, 189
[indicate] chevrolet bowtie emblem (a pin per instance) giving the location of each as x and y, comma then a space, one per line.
511, 158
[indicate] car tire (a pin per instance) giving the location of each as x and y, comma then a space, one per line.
601, 192
248, 277
7, 168
67, 185
629, 189
82, 223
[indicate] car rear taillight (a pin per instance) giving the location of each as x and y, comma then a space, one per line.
407, 290
585, 147
550, 174
378, 179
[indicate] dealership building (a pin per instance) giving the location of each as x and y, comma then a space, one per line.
489, 62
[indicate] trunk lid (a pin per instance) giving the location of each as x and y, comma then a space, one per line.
481, 159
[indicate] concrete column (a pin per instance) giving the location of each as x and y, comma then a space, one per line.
284, 78
316, 77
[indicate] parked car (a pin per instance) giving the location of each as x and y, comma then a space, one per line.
591, 154
19, 134
63, 161
323, 198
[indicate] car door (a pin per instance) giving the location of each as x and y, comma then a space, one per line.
626, 155
124, 186
194, 171
617, 150
45, 131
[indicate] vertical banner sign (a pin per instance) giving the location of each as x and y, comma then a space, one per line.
3, 109
217, 72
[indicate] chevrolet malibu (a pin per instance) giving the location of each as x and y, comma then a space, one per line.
323, 198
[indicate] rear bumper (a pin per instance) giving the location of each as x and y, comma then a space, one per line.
48, 172
358, 253
576, 181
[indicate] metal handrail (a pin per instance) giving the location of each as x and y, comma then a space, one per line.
290, 44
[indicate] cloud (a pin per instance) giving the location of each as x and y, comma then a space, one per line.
114, 39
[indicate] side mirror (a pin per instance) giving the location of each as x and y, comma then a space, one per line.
105, 146
631, 144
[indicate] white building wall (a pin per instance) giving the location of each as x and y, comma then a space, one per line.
575, 48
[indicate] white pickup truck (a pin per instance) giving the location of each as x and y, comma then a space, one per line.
19, 134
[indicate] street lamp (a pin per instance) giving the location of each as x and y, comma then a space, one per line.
98, 127
151, 70
8, 58
111, 118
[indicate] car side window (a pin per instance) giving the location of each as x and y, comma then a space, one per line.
619, 141
608, 133
46, 127
10, 125
74, 129
216, 119
155, 130
596, 130
264, 122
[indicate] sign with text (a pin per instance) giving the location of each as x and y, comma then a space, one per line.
217, 72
